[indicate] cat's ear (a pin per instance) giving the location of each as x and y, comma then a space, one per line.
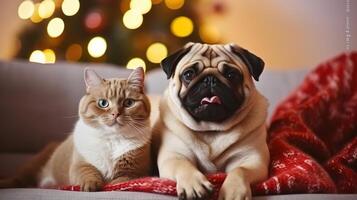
136, 78
91, 78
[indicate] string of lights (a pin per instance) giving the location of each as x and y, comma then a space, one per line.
103, 44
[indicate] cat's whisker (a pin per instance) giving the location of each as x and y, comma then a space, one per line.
137, 123
141, 131
106, 118
138, 130
140, 124
135, 119
128, 116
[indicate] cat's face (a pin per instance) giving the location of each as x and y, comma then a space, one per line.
115, 104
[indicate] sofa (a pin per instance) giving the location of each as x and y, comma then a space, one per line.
38, 104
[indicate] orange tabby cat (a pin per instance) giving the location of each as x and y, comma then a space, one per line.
110, 142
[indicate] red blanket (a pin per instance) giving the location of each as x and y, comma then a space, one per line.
312, 138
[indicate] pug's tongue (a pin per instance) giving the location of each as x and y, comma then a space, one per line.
211, 100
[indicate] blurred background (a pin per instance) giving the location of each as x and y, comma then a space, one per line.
287, 34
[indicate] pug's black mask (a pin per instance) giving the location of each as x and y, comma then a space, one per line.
209, 99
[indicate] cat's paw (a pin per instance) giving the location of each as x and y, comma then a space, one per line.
91, 185
193, 186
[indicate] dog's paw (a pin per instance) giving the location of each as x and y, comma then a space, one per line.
91, 185
235, 190
193, 186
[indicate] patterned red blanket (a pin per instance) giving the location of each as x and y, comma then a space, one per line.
312, 138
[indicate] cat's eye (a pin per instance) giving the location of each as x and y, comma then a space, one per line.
103, 103
128, 102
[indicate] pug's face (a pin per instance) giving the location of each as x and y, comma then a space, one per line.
212, 81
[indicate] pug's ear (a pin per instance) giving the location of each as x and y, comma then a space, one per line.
169, 63
253, 62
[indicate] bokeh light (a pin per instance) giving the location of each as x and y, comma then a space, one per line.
55, 27
97, 47
174, 4
136, 62
209, 33
182, 26
46, 8
26, 9
70, 7
50, 56
37, 56
93, 20
132, 19
142, 6
74, 52
156, 52
36, 18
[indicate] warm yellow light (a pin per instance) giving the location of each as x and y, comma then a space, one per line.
50, 56
143, 6
97, 47
70, 7
37, 56
209, 33
182, 26
136, 62
74, 52
174, 4
156, 52
132, 19
55, 27
36, 18
46, 8
26, 9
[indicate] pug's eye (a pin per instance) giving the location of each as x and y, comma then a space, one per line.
128, 102
103, 103
189, 74
232, 74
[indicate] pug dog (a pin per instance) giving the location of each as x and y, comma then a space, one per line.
212, 119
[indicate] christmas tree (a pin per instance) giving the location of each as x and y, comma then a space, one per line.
123, 32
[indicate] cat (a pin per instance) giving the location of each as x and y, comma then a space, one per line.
110, 142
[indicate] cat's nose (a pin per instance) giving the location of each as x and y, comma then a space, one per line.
115, 114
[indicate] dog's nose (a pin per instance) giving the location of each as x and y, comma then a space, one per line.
210, 80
